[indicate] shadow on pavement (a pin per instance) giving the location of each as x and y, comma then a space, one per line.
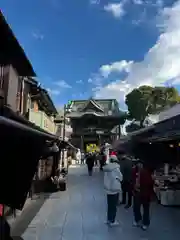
21, 222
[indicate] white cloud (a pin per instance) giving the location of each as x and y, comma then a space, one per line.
152, 3
158, 3
37, 35
90, 80
176, 81
146, 9
138, 2
79, 81
62, 84
53, 91
120, 66
161, 63
117, 9
94, 2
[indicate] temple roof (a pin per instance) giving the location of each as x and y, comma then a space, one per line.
98, 107
92, 105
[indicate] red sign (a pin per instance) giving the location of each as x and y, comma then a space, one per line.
1, 209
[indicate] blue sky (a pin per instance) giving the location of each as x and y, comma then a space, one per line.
101, 48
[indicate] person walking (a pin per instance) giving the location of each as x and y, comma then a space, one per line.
82, 157
90, 163
142, 194
95, 158
78, 156
126, 169
102, 159
112, 185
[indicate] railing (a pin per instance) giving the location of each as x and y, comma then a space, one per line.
43, 121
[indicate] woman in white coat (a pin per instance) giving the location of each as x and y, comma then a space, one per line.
112, 185
78, 156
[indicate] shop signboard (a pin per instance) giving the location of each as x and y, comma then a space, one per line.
91, 147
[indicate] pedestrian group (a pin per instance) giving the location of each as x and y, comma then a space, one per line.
132, 181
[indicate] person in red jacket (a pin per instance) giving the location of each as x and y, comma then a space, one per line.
142, 189
113, 153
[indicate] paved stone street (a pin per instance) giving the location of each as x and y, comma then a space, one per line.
80, 212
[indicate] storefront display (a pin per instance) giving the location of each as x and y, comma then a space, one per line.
167, 185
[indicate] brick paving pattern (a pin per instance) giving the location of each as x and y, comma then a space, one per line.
80, 213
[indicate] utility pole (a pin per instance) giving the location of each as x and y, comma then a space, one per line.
64, 132
67, 109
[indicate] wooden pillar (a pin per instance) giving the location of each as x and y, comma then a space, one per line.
99, 136
82, 143
119, 131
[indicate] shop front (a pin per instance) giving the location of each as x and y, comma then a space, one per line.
162, 151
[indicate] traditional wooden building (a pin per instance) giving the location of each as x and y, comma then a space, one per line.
27, 102
15, 70
42, 111
18, 88
92, 121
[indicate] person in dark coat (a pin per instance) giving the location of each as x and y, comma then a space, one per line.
102, 159
126, 169
142, 189
90, 163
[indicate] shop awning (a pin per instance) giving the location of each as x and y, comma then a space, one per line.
8, 117
22, 144
167, 136
33, 130
21, 149
119, 143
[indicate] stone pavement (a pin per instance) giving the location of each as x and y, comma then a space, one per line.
80, 212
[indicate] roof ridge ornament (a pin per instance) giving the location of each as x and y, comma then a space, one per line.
93, 102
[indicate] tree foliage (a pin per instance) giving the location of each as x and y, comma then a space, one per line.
147, 100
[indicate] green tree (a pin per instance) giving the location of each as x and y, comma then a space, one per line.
147, 100
139, 103
164, 97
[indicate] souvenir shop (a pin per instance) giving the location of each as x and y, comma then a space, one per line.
160, 148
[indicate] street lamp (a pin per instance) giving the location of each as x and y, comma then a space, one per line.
67, 109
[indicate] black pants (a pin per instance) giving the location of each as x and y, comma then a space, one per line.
145, 216
90, 170
101, 163
126, 191
112, 201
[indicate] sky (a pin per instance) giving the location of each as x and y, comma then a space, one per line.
98, 48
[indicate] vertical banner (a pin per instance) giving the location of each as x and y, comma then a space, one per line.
1, 209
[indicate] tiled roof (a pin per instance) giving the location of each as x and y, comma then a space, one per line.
104, 104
